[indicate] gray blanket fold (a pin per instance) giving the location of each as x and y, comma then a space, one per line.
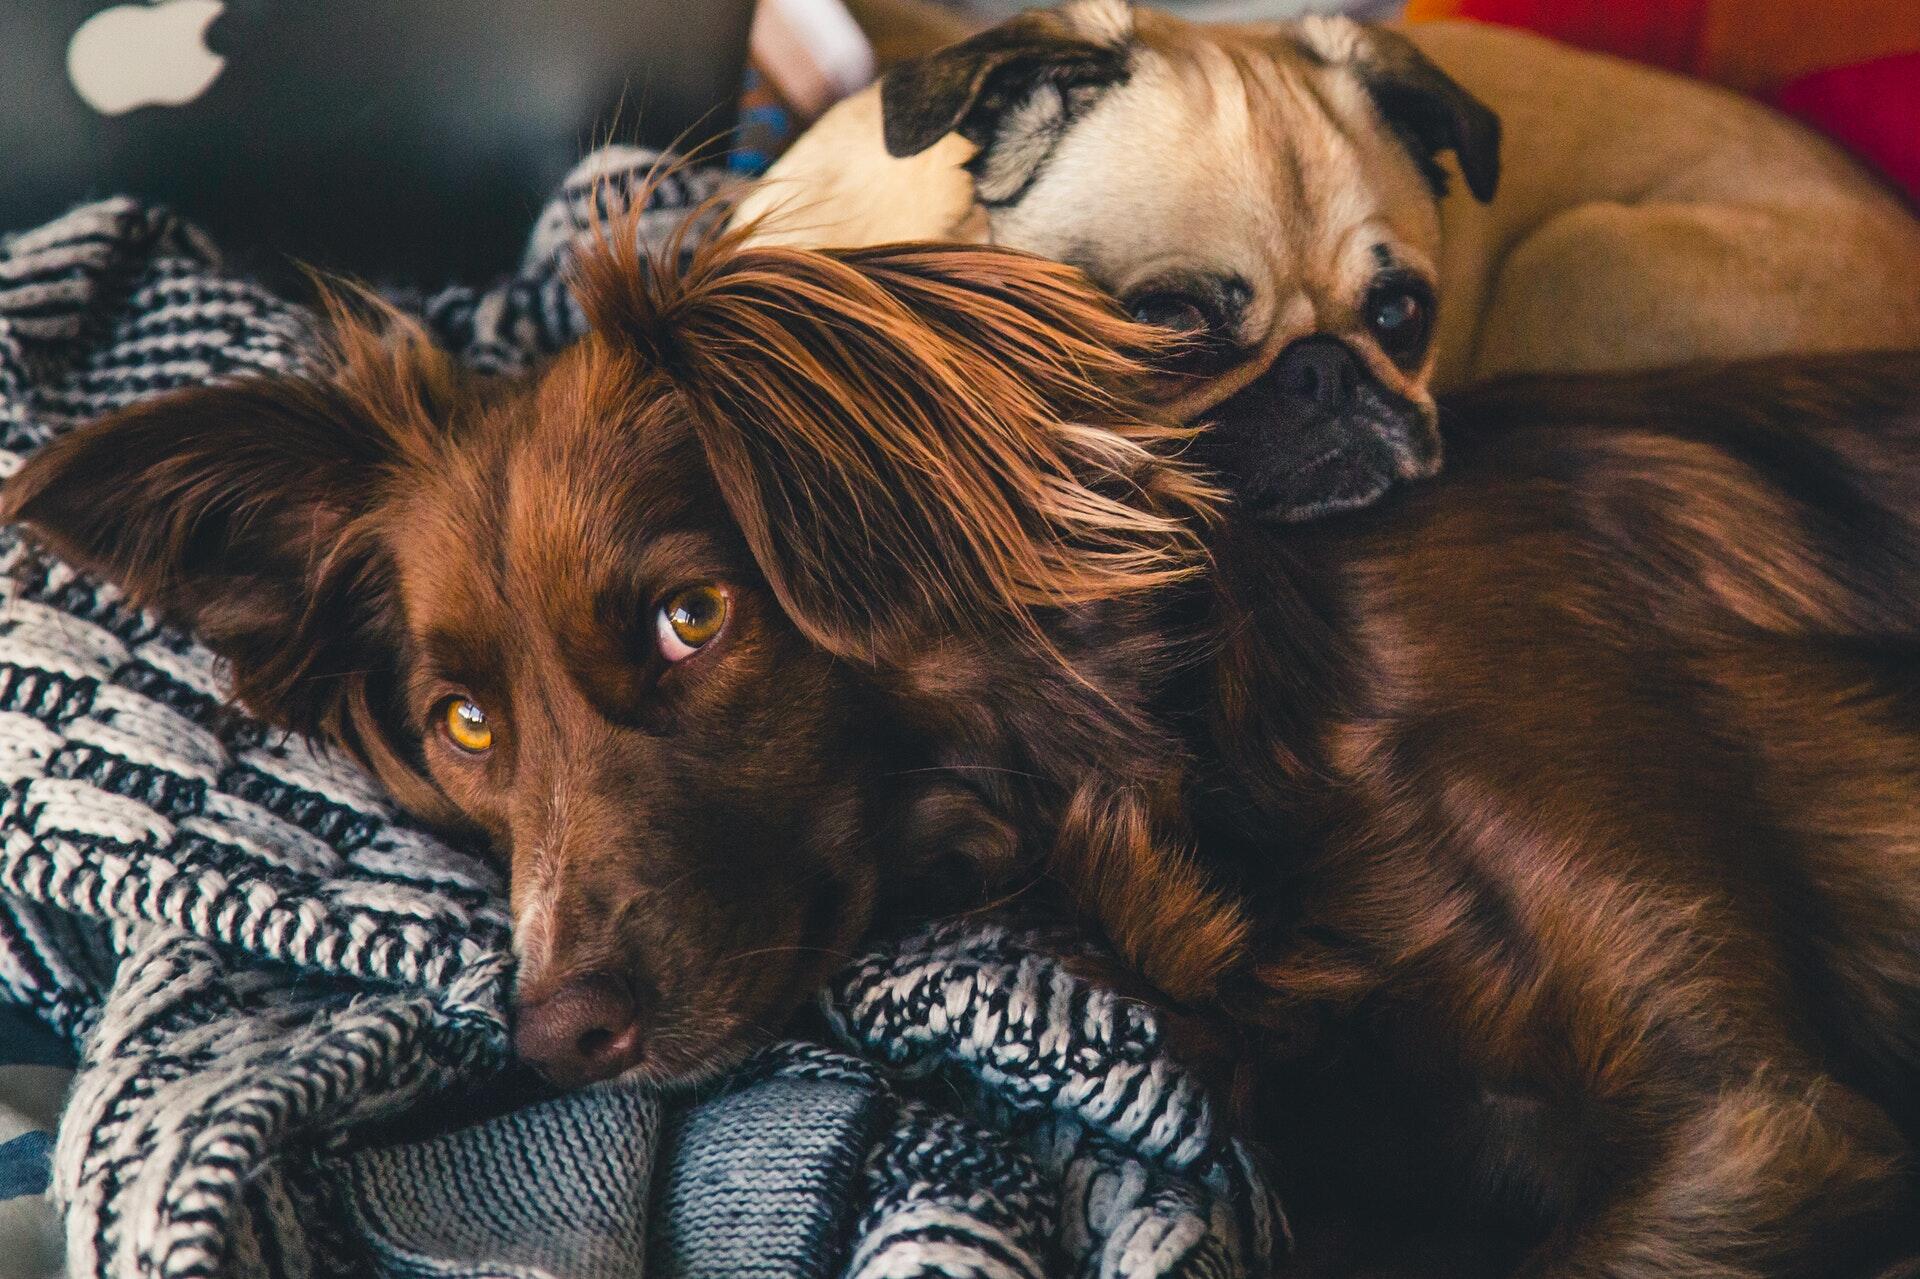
266, 968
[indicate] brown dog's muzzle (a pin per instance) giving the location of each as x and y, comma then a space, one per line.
592, 1028
1319, 433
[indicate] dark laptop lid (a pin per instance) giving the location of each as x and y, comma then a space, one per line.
399, 139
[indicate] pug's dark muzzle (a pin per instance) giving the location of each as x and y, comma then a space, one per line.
1317, 433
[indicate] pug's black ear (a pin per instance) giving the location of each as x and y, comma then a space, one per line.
1423, 105
1012, 90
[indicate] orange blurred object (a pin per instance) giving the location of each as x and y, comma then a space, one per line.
1755, 45
1850, 68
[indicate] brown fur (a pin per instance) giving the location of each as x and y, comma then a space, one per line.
914, 470
1576, 800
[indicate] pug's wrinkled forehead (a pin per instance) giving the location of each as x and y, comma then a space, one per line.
1251, 184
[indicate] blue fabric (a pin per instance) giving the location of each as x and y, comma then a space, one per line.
25, 1041
26, 1165
33, 1078
555, 1188
762, 1182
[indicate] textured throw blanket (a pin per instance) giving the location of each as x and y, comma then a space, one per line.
289, 1004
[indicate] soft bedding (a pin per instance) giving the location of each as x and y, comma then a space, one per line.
288, 1003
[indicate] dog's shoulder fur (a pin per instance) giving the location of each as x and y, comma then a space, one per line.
1574, 795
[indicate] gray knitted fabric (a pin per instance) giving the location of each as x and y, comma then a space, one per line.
557, 1187
758, 1179
264, 964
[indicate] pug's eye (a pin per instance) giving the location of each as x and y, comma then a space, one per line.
1175, 311
466, 725
689, 620
1394, 314
1400, 318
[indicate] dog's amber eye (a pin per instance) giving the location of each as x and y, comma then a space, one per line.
467, 725
688, 620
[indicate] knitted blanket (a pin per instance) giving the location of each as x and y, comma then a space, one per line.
290, 1004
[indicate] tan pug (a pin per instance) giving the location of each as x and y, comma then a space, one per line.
1348, 216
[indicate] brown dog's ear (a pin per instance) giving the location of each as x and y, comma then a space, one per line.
915, 440
230, 508
1012, 90
1425, 107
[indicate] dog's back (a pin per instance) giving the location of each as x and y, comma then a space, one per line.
1737, 589
1604, 749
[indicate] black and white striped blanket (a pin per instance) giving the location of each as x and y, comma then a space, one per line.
276, 983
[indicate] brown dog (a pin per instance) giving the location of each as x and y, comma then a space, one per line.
726, 629
1576, 800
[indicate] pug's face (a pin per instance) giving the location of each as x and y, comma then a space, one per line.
1268, 191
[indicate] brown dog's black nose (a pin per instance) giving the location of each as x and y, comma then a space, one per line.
589, 1029
1321, 373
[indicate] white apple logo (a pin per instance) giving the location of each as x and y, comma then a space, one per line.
145, 55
